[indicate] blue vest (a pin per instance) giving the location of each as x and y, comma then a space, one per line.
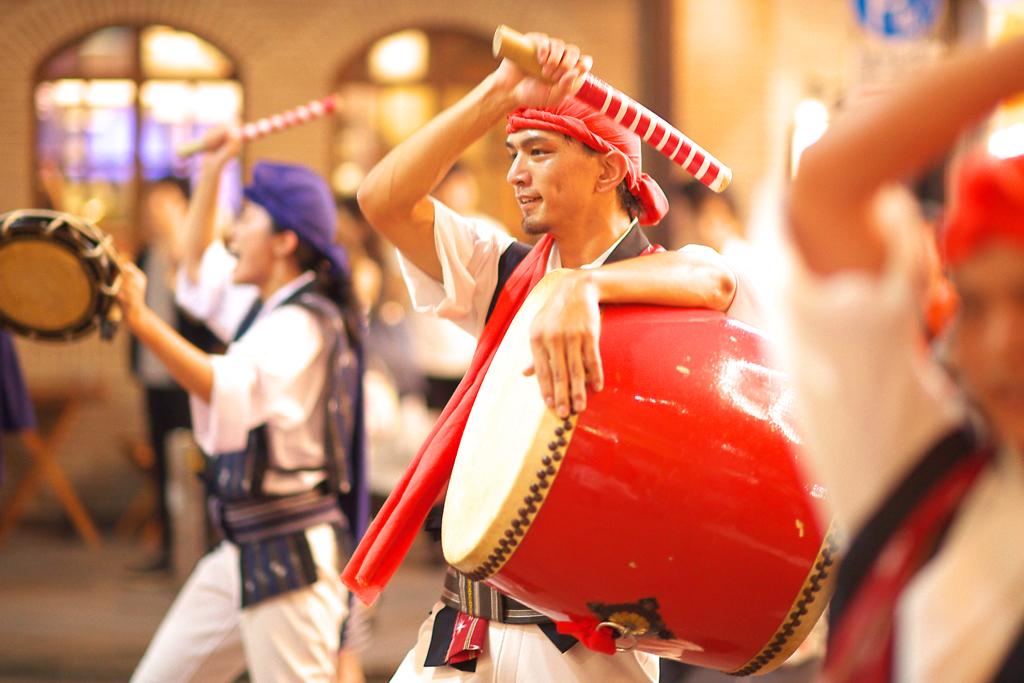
270, 529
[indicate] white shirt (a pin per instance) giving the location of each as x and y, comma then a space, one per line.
469, 250
871, 403
274, 374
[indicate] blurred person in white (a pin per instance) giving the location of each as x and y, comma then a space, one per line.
931, 588
163, 215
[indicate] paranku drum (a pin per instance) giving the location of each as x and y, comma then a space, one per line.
672, 507
58, 276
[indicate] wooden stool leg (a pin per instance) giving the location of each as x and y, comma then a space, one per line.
62, 487
22, 495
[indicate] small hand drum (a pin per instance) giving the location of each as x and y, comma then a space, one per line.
58, 276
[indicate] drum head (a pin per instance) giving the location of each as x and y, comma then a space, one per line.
51, 276
475, 514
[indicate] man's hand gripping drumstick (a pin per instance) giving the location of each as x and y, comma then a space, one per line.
626, 112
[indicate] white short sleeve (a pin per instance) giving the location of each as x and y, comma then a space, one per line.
469, 250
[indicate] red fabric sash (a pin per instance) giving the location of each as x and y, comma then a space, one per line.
394, 529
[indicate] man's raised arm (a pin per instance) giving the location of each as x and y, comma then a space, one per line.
394, 197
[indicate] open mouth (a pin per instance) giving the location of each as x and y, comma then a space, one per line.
528, 200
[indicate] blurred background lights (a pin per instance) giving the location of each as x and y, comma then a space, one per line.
1007, 142
810, 121
400, 57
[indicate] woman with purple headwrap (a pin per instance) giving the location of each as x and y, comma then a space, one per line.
279, 417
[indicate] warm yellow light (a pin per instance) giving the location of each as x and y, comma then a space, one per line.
1007, 142
167, 53
111, 94
811, 121
68, 92
216, 102
400, 57
169, 101
346, 178
402, 111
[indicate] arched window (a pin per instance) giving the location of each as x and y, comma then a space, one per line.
110, 110
399, 83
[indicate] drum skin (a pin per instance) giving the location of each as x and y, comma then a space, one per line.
58, 276
675, 506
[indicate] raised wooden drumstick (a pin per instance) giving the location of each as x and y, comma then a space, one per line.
271, 124
625, 111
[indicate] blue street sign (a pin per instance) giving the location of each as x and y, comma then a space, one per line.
899, 18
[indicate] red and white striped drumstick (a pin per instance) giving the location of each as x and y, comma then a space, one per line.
625, 111
271, 124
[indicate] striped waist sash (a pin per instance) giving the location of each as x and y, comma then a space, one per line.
249, 521
480, 600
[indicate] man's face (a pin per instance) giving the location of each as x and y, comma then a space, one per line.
989, 337
250, 239
554, 178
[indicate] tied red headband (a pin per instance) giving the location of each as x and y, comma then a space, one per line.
593, 129
988, 206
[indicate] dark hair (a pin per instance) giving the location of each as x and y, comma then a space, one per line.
183, 184
627, 200
337, 288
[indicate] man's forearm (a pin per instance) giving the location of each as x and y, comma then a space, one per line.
673, 278
394, 195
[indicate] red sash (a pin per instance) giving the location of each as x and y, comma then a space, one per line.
394, 529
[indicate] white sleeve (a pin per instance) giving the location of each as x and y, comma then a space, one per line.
215, 298
269, 376
748, 305
870, 399
469, 250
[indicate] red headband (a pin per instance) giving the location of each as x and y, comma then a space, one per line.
988, 206
597, 131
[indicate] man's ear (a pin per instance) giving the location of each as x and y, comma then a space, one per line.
615, 165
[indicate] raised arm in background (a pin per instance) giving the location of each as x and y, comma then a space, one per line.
885, 140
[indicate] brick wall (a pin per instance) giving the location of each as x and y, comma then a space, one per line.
741, 67
286, 52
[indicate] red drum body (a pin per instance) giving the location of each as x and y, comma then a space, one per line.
672, 506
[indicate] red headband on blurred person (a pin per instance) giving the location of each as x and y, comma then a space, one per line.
597, 131
988, 206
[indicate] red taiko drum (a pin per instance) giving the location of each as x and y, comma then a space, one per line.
672, 507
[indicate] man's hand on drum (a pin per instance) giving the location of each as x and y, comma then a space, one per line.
564, 339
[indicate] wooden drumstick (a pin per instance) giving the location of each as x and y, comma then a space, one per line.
625, 111
271, 124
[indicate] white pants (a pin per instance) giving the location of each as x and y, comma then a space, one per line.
523, 653
207, 636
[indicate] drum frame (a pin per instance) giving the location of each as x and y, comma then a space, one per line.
93, 250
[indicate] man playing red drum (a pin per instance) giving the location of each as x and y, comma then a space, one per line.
578, 180
932, 584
